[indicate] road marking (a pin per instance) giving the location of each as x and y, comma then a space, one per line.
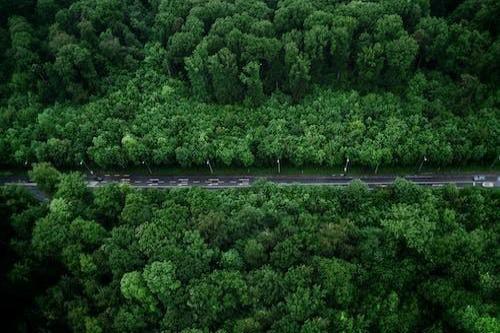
21, 184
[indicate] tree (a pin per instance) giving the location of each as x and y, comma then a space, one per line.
224, 73
370, 62
255, 254
51, 233
304, 303
22, 53
337, 280
161, 281
408, 223
217, 296
250, 77
133, 288
137, 209
432, 35
196, 67
73, 188
46, 177
298, 71
109, 202
75, 69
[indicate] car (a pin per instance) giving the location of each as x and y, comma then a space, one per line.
488, 184
98, 178
479, 178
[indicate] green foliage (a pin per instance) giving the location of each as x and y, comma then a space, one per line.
46, 176
447, 123
242, 83
121, 83
282, 259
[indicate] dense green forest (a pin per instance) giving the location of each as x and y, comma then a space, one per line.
261, 259
243, 82
173, 83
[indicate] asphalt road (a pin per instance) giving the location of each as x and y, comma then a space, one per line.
217, 182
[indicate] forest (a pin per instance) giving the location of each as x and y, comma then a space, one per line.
244, 82
262, 259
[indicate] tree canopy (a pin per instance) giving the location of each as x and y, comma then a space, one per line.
262, 259
119, 83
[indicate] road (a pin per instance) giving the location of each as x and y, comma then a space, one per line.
217, 182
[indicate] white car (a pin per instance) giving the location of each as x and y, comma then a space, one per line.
488, 184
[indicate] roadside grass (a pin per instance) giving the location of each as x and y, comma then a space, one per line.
267, 171
297, 171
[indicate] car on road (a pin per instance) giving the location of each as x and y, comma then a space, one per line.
488, 184
479, 178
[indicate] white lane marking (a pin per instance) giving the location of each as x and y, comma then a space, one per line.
21, 184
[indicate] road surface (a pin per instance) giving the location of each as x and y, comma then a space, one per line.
218, 182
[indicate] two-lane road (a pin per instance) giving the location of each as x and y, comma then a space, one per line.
245, 181
217, 182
